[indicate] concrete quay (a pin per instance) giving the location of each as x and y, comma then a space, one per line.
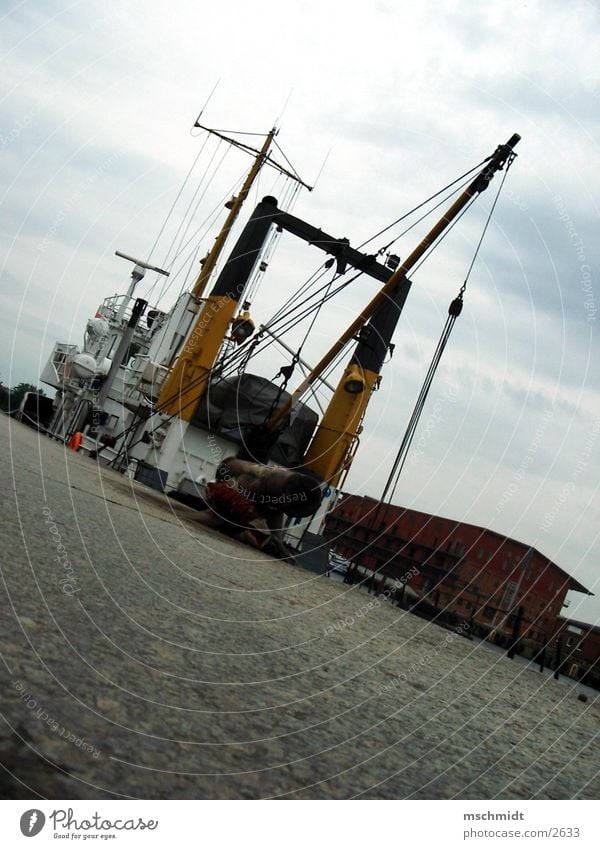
144, 656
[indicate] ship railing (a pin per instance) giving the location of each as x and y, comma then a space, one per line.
56, 370
117, 311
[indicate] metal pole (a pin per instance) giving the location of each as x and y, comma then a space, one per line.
186, 382
136, 313
209, 262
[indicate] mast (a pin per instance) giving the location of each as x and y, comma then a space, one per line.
180, 374
329, 453
209, 262
185, 384
186, 381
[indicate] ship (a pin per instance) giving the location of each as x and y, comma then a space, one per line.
170, 397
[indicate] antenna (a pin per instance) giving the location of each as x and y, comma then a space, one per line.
283, 108
206, 102
322, 168
139, 270
139, 262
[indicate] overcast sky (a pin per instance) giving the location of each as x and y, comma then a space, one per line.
95, 141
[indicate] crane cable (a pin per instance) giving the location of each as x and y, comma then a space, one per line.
392, 482
454, 310
291, 322
282, 314
286, 372
136, 420
242, 353
285, 313
420, 206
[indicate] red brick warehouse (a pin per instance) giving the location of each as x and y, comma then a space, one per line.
464, 569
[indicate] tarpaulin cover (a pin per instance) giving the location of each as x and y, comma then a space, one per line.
233, 405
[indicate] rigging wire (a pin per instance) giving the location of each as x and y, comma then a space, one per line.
283, 108
290, 197
321, 169
442, 202
272, 240
166, 259
208, 223
209, 220
287, 310
179, 193
197, 199
310, 281
316, 307
444, 235
287, 371
197, 237
288, 315
454, 311
186, 221
279, 148
394, 476
206, 102
423, 203
292, 321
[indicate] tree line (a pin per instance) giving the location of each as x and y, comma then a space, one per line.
11, 397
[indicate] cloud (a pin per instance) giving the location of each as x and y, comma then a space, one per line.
98, 106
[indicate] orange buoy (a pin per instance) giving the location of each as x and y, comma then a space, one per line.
75, 441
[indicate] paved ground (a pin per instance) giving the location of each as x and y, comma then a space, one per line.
147, 657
